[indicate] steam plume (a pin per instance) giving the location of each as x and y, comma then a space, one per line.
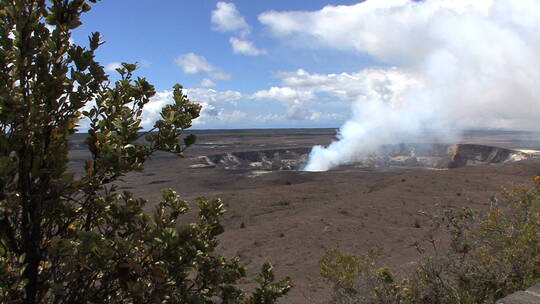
467, 64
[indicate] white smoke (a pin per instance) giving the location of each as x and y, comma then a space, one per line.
468, 64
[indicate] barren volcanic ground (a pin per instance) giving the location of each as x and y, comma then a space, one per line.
290, 217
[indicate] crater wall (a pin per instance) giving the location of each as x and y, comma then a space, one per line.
413, 155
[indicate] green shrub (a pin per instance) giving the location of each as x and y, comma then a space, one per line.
490, 255
68, 239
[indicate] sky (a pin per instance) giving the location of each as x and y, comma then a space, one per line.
392, 67
229, 62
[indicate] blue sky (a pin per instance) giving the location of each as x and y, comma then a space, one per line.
156, 33
444, 64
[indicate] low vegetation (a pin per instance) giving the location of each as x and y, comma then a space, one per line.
489, 256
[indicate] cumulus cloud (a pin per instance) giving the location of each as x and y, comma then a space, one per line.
245, 47
474, 65
217, 106
218, 117
195, 64
351, 86
206, 82
390, 30
294, 100
213, 96
224, 109
302, 90
229, 108
286, 94
226, 18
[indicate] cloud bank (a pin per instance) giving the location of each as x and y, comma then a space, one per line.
457, 64
215, 106
277, 107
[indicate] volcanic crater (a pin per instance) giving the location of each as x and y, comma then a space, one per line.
415, 155
278, 213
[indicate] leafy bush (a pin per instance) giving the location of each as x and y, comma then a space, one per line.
489, 256
68, 239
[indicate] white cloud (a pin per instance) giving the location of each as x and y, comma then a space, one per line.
245, 47
152, 110
301, 90
219, 117
195, 64
216, 106
226, 109
390, 30
475, 63
352, 86
298, 112
112, 66
295, 101
226, 18
447, 45
286, 94
213, 96
206, 82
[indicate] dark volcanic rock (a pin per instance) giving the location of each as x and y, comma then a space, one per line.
275, 160
469, 154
